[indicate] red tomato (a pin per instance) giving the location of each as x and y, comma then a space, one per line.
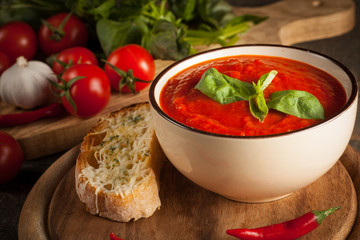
4, 62
17, 39
133, 57
72, 56
11, 157
89, 94
74, 33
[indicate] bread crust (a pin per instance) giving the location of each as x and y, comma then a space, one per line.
142, 202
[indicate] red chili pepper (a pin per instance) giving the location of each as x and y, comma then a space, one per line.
15, 119
284, 231
114, 237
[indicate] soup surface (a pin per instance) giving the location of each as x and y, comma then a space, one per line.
187, 105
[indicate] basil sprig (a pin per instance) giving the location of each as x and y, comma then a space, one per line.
257, 102
222, 88
225, 89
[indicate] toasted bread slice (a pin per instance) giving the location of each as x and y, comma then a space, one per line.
117, 170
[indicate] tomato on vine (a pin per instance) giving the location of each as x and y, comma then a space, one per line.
84, 90
18, 39
130, 68
73, 56
11, 157
62, 31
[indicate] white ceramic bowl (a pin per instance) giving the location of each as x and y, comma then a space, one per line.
258, 168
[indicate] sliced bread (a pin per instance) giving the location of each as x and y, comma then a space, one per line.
118, 167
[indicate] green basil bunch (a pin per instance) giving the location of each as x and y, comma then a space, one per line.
168, 29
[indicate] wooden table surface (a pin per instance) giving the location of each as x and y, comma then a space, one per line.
344, 48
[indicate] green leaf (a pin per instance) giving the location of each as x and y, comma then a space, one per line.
265, 80
258, 107
155, 12
257, 102
113, 34
226, 35
106, 9
215, 12
298, 103
29, 11
165, 41
222, 88
246, 18
103, 10
184, 9
243, 89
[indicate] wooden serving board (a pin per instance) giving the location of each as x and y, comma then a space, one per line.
289, 22
52, 210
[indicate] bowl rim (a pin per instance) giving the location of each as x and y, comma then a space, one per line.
157, 108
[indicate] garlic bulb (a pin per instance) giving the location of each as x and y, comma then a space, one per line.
26, 84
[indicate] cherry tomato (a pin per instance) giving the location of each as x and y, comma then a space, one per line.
11, 157
17, 39
133, 57
90, 94
4, 62
54, 38
73, 56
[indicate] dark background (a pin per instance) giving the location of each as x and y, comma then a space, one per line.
345, 49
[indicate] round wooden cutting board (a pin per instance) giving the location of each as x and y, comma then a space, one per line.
53, 210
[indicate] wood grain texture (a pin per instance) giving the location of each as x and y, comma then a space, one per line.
32, 222
351, 161
289, 22
187, 211
302, 20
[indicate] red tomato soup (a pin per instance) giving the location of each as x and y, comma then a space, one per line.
187, 105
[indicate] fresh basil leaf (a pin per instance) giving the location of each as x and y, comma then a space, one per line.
298, 103
222, 88
258, 107
265, 80
113, 34
215, 12
165, 41
243, 89
257, 102
214, 85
